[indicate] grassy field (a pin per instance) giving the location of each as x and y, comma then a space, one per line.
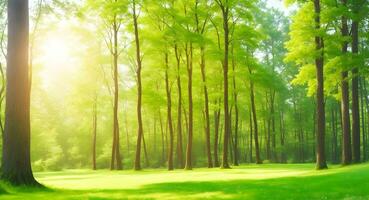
270, 181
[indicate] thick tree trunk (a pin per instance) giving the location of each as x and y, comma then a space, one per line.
16, 162
319, 63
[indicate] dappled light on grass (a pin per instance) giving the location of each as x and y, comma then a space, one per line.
77, 179
271, 181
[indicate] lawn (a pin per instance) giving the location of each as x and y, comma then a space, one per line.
270, 181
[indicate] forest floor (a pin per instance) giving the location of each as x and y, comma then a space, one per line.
268, 181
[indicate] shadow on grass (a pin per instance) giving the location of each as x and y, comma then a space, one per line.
350, 183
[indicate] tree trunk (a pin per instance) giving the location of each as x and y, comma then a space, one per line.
145, 151
169, 114
251, 134
364, 130
225, 11
282, 137
273, 133
16, 161
355, 94
94, 133
235, 97
189, 56
254, 119
139, 91
345, 101
216, 136
116, 162
180, 163
319, 63
206, 106
162, 139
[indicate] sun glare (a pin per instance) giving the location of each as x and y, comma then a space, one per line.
54, 53
56, 59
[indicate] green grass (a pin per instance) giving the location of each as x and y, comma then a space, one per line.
270, 181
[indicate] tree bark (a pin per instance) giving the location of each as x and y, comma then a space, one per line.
16, 161
225, 13
116, 162
345, 101
189, 56
319, 64
216, 135
355, 92
169, 114
206, 106
139, 90
254, 119
179, 111
235, 98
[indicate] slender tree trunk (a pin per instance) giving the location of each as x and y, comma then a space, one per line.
179, 112
282, 137
355, 93
362, 102
365, 92
273, 133
145, 151
345, 101
251, 133
216, 136
189, 56
268, 138
162, 139
94, 133
319, 63
169, 114
225, 12
116, 162
139, 91
334, 135
235, 97
206, 106
254, 119
127, 134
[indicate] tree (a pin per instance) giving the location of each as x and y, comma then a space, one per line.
224, 7
319, 64
16, 161
139, 87
307, 28
345, 104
